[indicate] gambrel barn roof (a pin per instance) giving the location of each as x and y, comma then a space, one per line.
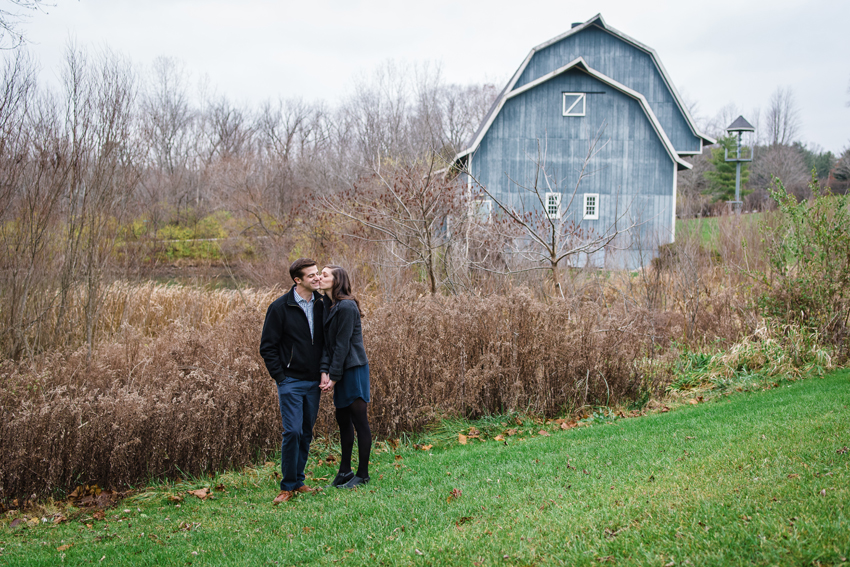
524, 79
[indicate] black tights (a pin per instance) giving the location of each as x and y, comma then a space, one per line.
351, 418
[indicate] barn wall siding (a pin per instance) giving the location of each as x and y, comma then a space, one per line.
633, 173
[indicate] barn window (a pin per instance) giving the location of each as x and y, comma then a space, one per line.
481, 210
591, 206
553, 205
574, 104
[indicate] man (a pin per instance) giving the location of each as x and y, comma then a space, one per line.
292, 345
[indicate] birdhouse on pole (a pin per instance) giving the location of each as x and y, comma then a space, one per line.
739, 126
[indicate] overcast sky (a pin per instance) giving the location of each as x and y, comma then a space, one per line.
717, 53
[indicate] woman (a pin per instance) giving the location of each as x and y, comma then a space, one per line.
345, 370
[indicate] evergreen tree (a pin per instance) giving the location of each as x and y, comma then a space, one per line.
842, 168
816, 160
721, 177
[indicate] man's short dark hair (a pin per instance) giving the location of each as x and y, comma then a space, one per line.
296, 270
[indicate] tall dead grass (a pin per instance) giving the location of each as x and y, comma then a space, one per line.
180, 388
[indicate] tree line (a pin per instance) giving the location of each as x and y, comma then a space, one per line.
776, 151
117, 154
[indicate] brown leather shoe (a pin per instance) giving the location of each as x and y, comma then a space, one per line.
284, 496
304, 489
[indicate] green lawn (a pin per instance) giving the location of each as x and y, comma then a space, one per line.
757, 478
708, 230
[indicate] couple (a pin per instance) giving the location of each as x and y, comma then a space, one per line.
313, 342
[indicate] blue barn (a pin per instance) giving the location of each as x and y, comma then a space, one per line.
590, 82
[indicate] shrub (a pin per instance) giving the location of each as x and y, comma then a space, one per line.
192, 395
809, 274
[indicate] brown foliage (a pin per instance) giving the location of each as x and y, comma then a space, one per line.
437, 356
192, 400
197, 398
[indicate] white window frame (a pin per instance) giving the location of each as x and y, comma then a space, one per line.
594, 213
481, 210
579, 103
557, 203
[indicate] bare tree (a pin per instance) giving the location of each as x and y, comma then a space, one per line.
692, 187
32, 182
168, 123
784, 162
551, 235
100, 98
408, 207
11, 18
168, 116
782, 120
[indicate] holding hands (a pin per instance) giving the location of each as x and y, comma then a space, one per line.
326, 384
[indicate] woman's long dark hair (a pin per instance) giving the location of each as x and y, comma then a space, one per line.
341, 288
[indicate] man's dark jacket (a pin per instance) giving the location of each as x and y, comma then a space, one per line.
286, 344
344, 334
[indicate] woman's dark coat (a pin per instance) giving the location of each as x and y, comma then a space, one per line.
343, 336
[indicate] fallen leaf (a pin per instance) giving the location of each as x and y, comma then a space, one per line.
842, 450
59, 519
307, 529
455, 494
16, 522
544, 433
394, 443
823, 492
499, 438
793, 475
418, 552
270, 464
426, 447
565, 425
330, 459
349, 551
65, 547
693, 402
461, 438
202, 493
398, 457
511, 432
99, 515
665, 409
220, 487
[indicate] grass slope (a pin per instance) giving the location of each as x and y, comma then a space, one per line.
757, 478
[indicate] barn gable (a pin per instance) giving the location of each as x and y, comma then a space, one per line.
625, 61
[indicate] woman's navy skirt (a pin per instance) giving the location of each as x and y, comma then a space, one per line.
353, 384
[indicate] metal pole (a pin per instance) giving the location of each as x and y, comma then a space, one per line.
738, 176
